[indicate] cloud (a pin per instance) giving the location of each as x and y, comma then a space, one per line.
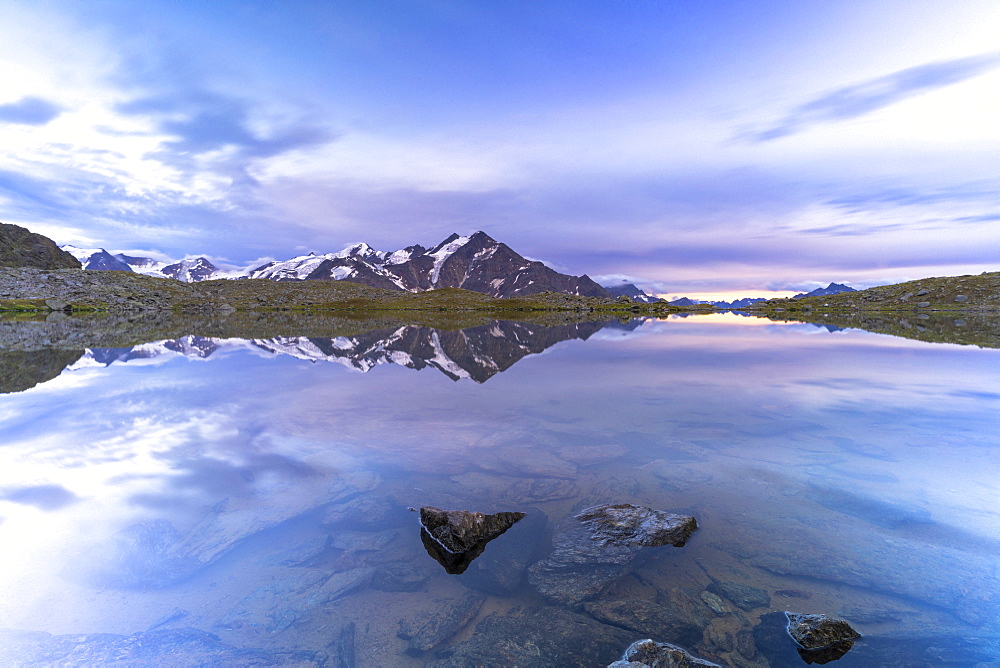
29, 111
199, 122
864, 98
43, 497
976, 192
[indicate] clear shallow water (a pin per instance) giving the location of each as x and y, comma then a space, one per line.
254, 492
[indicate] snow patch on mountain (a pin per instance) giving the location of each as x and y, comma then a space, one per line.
442, 254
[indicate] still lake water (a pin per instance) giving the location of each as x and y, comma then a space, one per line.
246, 502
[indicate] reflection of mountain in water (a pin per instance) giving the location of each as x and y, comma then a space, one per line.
21, 370
477, 353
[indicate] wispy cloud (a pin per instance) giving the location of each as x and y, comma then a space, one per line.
864, 98
29, 111
200, 123
982, 192
43, 497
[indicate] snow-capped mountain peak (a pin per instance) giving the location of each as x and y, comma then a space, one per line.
476, 262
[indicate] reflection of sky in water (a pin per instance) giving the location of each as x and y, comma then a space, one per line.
852, 433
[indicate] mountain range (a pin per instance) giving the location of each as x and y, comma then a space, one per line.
832, 289
476, 262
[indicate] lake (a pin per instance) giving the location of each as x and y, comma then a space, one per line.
250, 501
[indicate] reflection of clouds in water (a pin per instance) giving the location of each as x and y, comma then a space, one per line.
43, 497
194, 480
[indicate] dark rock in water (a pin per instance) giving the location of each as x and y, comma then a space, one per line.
454, 538
647, 618
625, 524
460, 530
431, 630
831, 652
652, 654
500, 570
745, 596
596, 547
169, 648
818, 631
773, 642
543, 636
817, 639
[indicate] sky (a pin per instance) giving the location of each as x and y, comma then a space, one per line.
695, 147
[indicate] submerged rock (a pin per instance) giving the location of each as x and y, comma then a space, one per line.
648, 618
401, 576
454, 538
652, 654
596, 547
432, 629
542, 636
818, 631
276, 606
745, 596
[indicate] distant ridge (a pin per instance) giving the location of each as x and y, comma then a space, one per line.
476, 262
832, 289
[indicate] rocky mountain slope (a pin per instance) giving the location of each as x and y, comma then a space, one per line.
22, 248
